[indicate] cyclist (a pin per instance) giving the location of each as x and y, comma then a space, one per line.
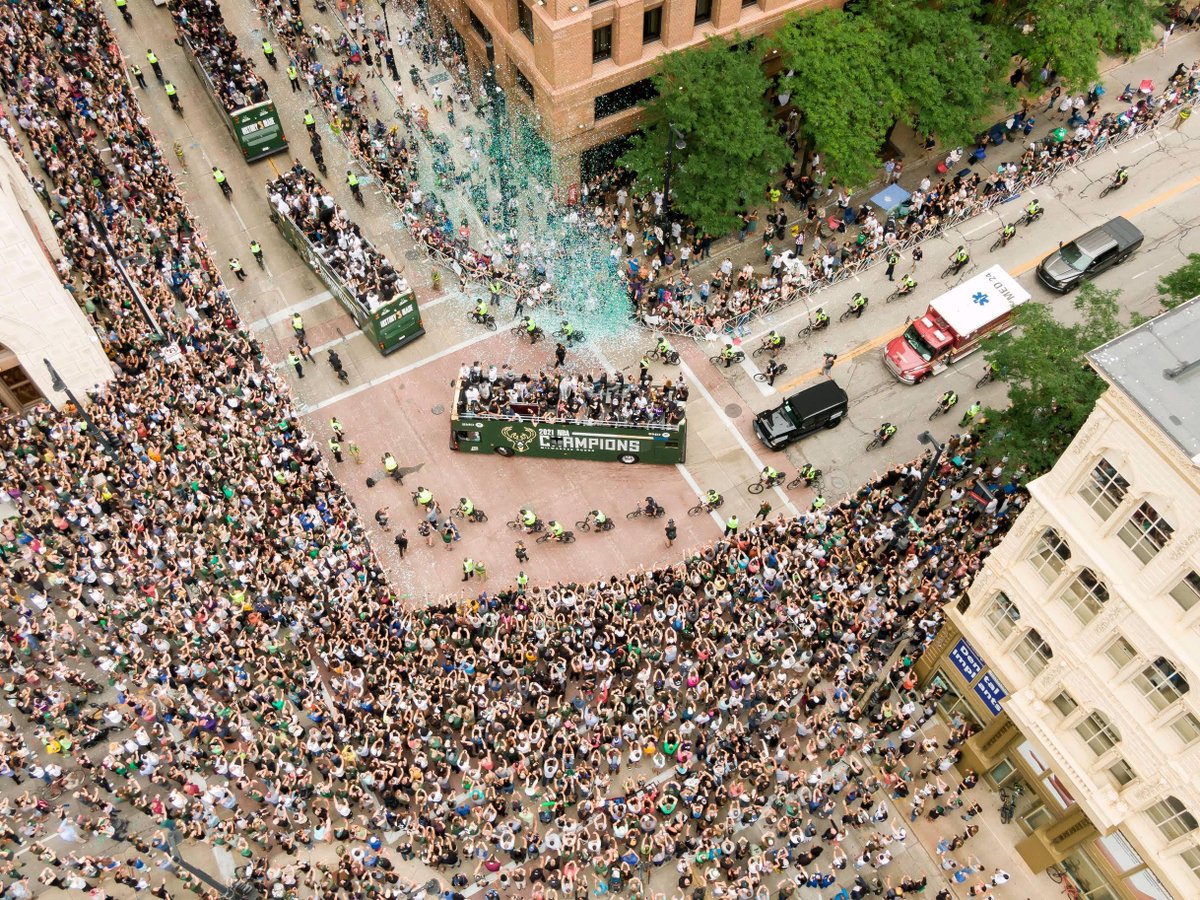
424, 496
809, 473
482, 310
773, 370
556, 530
1121, 176
728, 354
567, 329
528, 520
1007, 233
466, 507
768, 476
960, 258
598, 517
886, 430
908, 284
711, 499
947, 400
774, 341
256, 252
820, 318
858, 303
335, 361
222, 182
1034, 209
652, 508
530, 326
664, 348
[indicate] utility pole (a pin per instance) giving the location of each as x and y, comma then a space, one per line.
58, 384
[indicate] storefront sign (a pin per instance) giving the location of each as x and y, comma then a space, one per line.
966, 660
991, 692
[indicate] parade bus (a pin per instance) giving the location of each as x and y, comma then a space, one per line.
256, 128
389, 325
532, 435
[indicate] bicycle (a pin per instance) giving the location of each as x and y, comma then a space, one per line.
878, 441
1028, 219
671, 357
852, 310
1062, 877
1003, 240
477, 515
813, 328
487, 320
766, 348
954, 268
704, 506
940, 410
658, 513
736, 357
534, 336
567, 537
814, 481
575, 337
899, 293
762, 376
226, 190
537, 526
989, 375
759, 486
1008, 805
588, 521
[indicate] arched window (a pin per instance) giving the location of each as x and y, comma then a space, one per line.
1050, 555
1085, 595
18, 391
1098, 733
1161, 683
1033, 652
1173, 819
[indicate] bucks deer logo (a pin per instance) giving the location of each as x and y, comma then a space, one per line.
521, 437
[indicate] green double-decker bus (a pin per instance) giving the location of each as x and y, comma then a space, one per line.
543, 436
256, 128
389, 325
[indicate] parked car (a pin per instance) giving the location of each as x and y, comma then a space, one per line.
1087, 256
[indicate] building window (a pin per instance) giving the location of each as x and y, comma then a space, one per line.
1120, 653
480, 28
746, 3
1064, 703
1104, 490
1002, 614
1098, 733
1191, 858
652, 25
525, 19
525, 84
1085, 595
703, 11
18, 391
1146, 532
1033, 652
1161, 683
1121, 773
1050, 555
623, 98
1187, 592
601, 43
1172, 818
1186, 728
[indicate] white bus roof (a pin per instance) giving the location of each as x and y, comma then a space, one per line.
979, 300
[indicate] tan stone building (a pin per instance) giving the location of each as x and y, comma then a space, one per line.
1076, 648
584, 67
38, 319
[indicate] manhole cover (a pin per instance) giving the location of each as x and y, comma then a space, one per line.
733, 410
438, 409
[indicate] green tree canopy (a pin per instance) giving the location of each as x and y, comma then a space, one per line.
1051, 389
941, 59
1182, 284
838, 78
1069, 35
717, 99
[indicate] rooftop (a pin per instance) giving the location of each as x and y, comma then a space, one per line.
1157, 365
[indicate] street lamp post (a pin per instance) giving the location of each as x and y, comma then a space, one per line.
925, 438
58, 384
675, 141
120, 267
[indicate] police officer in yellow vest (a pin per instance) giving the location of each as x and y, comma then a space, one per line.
731, 526
137, 74
309, 122
468, 568
818, 503
294, 78
352, 180
268, 52
153, 60
172, 94
522, 580
235, 266
392, 467
335, 448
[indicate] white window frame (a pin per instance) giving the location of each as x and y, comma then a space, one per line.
1085, 602
1165, 817
1034, 652
1136, 535
1158, 688
1099, 487
1048, 558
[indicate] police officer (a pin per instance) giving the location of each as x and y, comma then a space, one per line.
309, 122
391, 467
137, 74
352, 180
522, 578
268, 52
294, 361
256, 251
494, 289
468, 568
222, 183
892, 258
122, 8
336, 427
172, 95
970, 414
818, 503
153, 60
236, 267
731, 526
293, 78
298, 326
335, 447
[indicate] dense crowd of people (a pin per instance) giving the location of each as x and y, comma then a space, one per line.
216, 48
299, 197
583, 396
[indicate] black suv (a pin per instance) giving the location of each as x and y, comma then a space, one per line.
1086, 257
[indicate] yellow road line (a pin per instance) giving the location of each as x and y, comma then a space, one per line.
1024, 267
271, 163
